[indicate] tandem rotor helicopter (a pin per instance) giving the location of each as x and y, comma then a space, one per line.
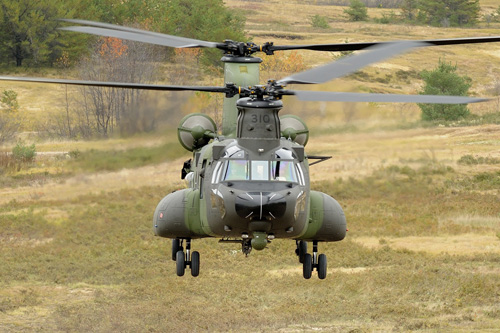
249, 183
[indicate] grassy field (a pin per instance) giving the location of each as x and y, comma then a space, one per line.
77, 251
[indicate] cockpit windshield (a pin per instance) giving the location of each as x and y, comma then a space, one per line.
276, 170
236, 165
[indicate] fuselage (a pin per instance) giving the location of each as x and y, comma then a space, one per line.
244, 191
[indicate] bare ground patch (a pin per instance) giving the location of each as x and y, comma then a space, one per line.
455, 244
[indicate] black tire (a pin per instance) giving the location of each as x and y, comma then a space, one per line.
307, 266
322, 266
176, 244
180, 263
302, 250
195, 263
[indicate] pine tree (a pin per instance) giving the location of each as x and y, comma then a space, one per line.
444, 80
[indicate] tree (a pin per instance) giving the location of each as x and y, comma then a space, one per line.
409, 9
29, 31
357, 11
444, 80
449, 12
201, 19
103, 110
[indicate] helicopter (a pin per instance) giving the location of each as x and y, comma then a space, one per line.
248, 183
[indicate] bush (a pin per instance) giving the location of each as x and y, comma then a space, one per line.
23, 153
318, 21
444, 80
9, 99
357, 11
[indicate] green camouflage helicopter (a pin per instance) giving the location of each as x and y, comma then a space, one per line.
249, 183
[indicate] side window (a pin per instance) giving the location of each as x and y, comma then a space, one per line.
300, 174
217, 172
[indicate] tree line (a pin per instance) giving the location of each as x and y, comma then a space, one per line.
456, 13
29, 34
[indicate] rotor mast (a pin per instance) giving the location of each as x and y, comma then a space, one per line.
243, 71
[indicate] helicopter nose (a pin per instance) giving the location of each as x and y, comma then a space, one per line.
260, 205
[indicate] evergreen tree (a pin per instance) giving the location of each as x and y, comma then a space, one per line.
409, 9
444, 80
449, 12
28, 31
208, 20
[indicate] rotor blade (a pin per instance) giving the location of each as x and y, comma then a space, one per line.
327, 96
337, 47
138, 35
141, 86
350, 64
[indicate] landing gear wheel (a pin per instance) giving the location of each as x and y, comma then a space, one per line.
322, 266
176, 247
180, 263
307, 266
302, 250
195, 263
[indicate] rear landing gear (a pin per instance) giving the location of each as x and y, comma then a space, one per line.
185, 259
314, 261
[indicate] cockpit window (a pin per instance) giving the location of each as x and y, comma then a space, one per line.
234, 152
284, 153
260, 170
237, 170
275, 170
283, 171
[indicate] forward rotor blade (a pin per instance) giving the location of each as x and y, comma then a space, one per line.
137, 35
141, 86
327, 96
350, 64
337, 47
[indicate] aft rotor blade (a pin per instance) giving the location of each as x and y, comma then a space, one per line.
337, 47
327, 96
141, 86
137, 35
350, 64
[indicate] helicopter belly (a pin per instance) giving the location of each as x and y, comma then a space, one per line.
178, 215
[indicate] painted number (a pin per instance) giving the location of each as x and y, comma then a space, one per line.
260, 118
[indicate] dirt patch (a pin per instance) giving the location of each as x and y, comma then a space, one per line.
456, 244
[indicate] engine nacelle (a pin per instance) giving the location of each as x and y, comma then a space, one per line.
178, 215
326, 219
294, 128
196, 130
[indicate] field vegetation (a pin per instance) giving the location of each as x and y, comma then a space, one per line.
422, 201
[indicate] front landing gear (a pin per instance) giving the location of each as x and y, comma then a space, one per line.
185, 259
311, 262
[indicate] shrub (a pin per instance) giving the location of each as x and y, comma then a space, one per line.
318, 21
444, 80
357, 11
23, 153
9, 99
